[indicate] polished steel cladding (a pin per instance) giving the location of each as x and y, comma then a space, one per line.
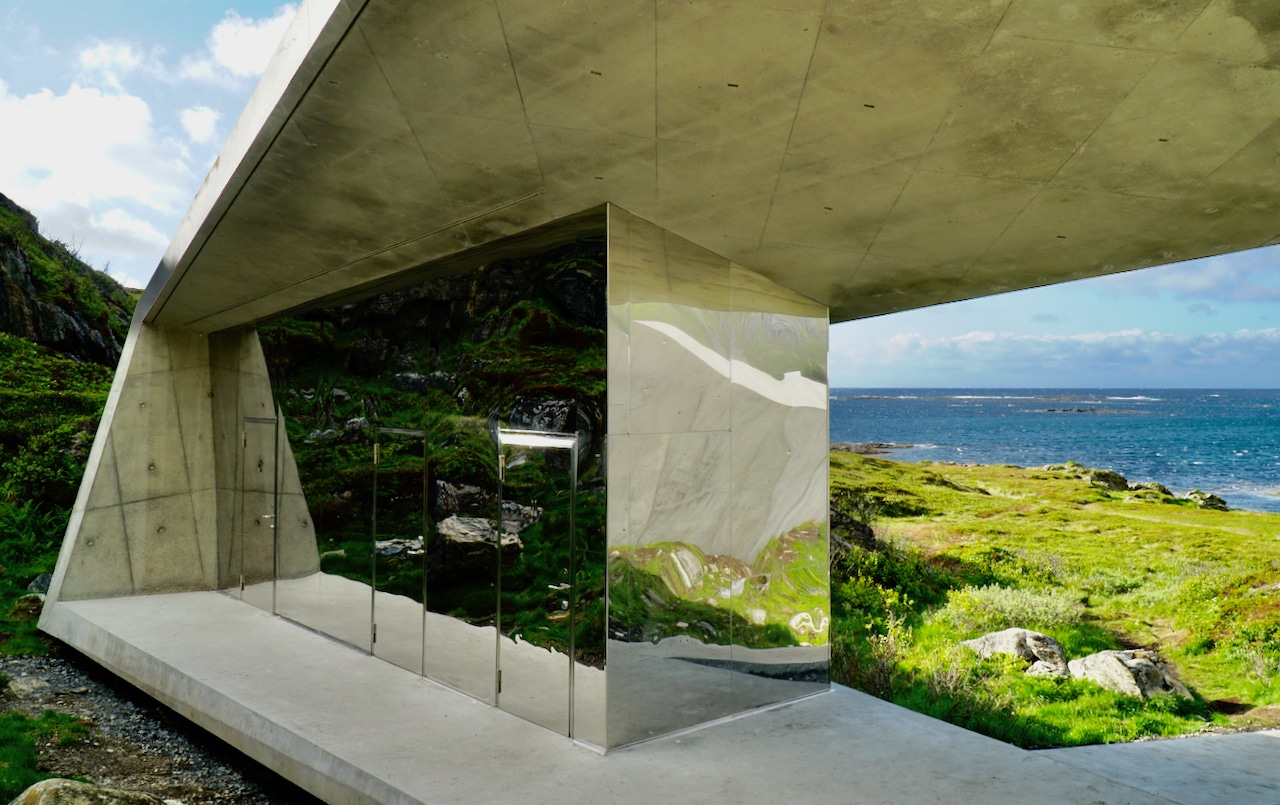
718, 590
615, 551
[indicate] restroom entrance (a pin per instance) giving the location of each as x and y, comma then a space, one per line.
537, 597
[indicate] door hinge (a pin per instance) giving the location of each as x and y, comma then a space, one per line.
499, 680
373, 637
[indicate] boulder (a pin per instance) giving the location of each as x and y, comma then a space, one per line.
1137, 672
467, 543
460, 498
71, 792
1045, 655
1206, 500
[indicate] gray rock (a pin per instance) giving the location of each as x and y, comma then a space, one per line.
41, 583
340, 396
460, 498
1138, 672
409, 381
1044, 654
1151, 485
359, 423
398, 548
1206, 500
473, 531
71, 792
516, 518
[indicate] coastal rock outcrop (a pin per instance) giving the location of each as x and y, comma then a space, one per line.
1206, 500
1045, 655
1137, 672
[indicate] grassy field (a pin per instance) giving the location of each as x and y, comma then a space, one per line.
936, 553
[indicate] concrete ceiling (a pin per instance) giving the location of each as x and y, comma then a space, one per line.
875, 155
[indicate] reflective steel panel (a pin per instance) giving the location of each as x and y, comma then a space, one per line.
718, 592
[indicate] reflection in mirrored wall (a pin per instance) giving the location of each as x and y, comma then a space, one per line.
452, 441
393, 406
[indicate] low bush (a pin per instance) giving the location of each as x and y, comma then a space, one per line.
992, 608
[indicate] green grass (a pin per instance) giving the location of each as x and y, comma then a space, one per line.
19, 736
962, 550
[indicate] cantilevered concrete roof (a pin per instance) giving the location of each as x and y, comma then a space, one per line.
876, 155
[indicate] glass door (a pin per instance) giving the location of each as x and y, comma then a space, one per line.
400, 525
538, 474
253, 552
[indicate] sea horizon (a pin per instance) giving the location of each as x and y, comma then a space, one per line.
1220, 440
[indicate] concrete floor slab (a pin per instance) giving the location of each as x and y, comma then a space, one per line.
353, 728
1241, 768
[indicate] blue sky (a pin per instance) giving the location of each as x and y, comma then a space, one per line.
112, 111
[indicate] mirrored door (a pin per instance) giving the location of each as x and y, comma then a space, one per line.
537, 601
400, 520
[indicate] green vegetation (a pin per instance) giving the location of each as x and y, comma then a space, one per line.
49, 409
19, 736
958, 551
62, 279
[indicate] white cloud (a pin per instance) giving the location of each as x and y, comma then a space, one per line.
201, 124
1124, 357
1243, 277
87, 156
239, 47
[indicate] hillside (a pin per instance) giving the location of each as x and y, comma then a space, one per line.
934, 554
62, 325
48, 296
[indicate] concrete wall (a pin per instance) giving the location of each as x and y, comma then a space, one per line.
158, 493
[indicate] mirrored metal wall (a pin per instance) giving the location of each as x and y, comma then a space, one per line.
453, 439
718, 587
442, 548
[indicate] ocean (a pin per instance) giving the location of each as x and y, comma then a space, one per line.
1224, 441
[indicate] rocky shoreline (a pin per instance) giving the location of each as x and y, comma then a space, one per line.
133, 742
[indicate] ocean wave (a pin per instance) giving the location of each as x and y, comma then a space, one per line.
1140, 397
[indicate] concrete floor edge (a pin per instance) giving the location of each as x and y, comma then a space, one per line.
319, 772
221, 663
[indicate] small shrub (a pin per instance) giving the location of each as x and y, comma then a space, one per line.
992, 608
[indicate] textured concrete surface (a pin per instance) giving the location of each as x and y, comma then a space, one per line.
876, 155
1241, 769
353, 728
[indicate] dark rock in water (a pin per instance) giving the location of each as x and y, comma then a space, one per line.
1206, 500
41, 583
867, 448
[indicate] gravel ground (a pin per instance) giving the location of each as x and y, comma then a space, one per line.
134, 742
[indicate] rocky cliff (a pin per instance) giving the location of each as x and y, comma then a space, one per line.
50, 297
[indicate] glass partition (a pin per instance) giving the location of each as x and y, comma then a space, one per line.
254, 542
